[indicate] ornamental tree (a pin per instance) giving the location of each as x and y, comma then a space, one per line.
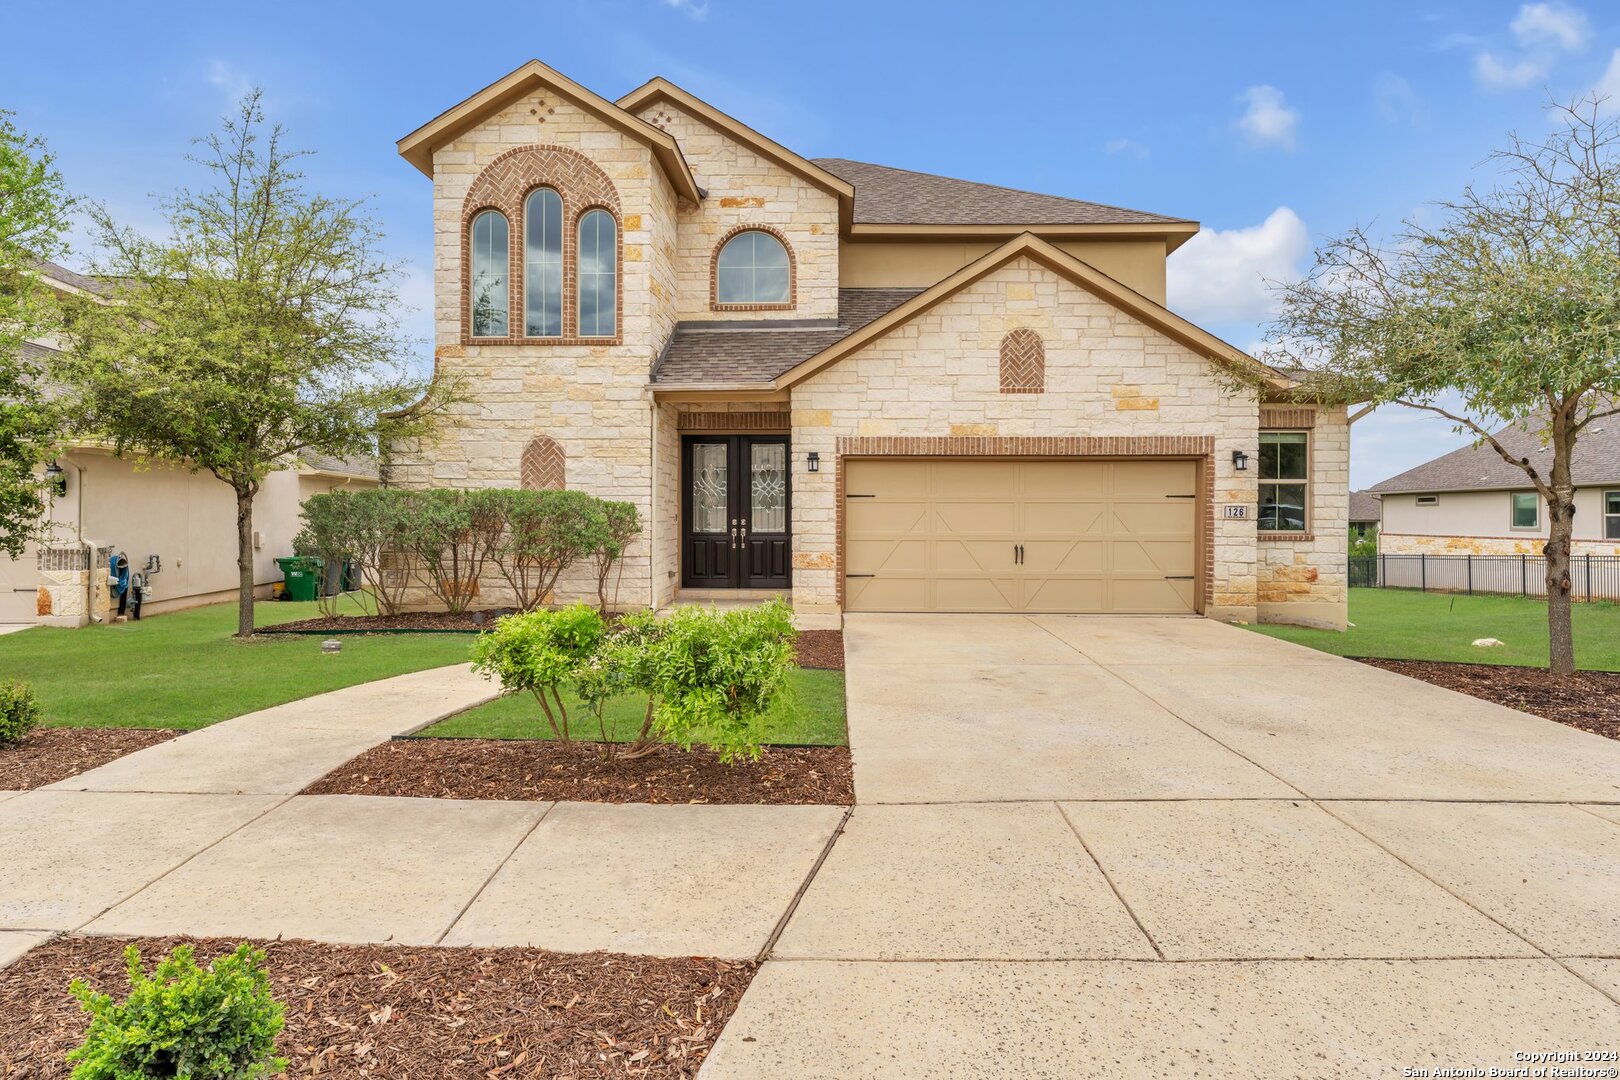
264, 325
1508, 299
33, 218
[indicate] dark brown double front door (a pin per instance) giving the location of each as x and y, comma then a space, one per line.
737, 512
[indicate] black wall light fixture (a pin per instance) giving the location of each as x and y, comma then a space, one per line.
1240, 460
812, 461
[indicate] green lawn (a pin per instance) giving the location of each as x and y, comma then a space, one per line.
1404, 625
812, 714
185, 670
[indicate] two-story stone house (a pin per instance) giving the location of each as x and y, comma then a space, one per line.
879, 389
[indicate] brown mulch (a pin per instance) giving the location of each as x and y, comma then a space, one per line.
409, 1013
821, 649
544, 770
1589, 700
46, 755
470, 621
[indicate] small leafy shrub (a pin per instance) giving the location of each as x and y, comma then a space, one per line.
214, 1023
619, 526
546, 533
626, 662
19, 711
541, 652
451, 534
370, 527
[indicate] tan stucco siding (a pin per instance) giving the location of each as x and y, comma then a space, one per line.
881, 264
1480, 522
1107, 374
1303, 579
746, 188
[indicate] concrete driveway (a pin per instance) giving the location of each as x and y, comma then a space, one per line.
1168, 847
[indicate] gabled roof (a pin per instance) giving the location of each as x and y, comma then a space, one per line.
1365, 506
661, 89
418, 146
60, 277
888, 196
1480, 468
1059, 262
355, 467
708, 354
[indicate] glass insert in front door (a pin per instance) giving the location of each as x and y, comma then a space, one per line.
711, 488
767, 487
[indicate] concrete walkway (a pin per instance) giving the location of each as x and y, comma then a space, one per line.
1167, 847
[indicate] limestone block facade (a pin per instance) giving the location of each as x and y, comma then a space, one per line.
1020, 349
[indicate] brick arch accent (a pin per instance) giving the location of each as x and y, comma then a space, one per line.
544, 466
714, 272
1023, 362
505, 185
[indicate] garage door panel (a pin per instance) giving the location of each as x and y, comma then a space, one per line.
1096, 536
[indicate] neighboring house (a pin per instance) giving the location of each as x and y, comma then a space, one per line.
1471, 502
146, 509
1365, 514
876, 389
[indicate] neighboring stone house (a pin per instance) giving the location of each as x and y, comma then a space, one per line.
143, 509
1471, 502
871, 388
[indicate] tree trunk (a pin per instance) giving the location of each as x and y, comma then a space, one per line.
244, 562
1560, 528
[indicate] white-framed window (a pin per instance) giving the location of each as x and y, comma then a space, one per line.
753, 268
542, 264
598, 274
1526, 509
1611, 515
1284, 481
487, 293
1428, 500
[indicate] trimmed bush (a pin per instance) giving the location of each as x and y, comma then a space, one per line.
619, 526
214, 1023
19, 711
452, 534
370, 527
546, 533
541, 652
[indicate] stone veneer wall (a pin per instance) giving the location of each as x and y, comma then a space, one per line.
590, 398
72, 591
747, 189
1303, 579
1410, 544
1107, 375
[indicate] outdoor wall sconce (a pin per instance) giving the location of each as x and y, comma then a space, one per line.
1240, 460
56, 478
812, 461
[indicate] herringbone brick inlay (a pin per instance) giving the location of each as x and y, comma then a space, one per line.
1023, 362
543, 466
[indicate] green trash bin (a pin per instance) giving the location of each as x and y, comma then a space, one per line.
303, 576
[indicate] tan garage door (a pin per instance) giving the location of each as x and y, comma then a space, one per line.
1009, 535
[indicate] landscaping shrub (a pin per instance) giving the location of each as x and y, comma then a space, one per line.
546, 533
19, 711
541, 652
619, 526
183, 1021
370, 527
452, 534
625, 663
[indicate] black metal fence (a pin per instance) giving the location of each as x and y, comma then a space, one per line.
1592, 577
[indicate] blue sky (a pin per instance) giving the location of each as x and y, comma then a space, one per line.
1274, 124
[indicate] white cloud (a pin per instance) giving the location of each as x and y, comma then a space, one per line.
1397, 101
1268, 121
1609, 86
1220, 277
692, 9
1498, 74
1553, 25
1123, 147
232, 81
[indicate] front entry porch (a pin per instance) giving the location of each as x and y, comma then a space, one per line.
736, 512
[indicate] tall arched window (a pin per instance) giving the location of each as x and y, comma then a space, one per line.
542, 264
752, 269
487, 293
598, 274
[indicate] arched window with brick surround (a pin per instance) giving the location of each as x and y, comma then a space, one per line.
486, 287
1023, 362
543, 264
597, 278
753, 270
543, 467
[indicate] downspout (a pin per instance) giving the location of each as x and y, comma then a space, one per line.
653, 586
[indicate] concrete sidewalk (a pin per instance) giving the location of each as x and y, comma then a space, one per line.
1167, 847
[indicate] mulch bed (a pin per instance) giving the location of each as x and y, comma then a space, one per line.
1589, 700
468, 621
46, 755
821, 649
543, 770
406, 1013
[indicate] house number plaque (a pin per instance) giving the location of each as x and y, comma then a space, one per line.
1236, 511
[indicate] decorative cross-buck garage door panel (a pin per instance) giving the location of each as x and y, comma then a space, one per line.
1018, 535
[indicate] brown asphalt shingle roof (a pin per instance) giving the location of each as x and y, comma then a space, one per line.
890, 196
705, 353
82, 282
1481, 468
1365, 506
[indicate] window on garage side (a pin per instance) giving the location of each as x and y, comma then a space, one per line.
1526, 510
1284, 481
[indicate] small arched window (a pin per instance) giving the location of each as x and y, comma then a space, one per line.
752, 269
598, 276
542, 264
487, 290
